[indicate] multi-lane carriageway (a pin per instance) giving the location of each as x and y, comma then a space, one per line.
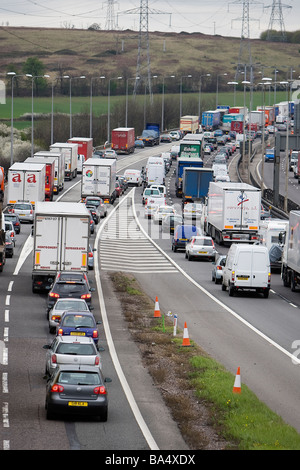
248, 331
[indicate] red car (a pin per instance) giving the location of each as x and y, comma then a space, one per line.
118, 189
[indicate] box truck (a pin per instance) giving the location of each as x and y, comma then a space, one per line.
122, 139
50, 172
60, 241
99, 179
233, 212
270, 232
70, 152
290, 268
183, 162
189, 124
59, 173
195, 183
26, 183
85, 147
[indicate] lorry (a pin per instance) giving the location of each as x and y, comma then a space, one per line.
184, 162
122, 139
256, 117
60, 241
269, 114
151, 134
211, 119
50, 172
70, 152
99, 179
290, 266
270, 233
190, 148
2, 222
195, 183
189, 124
233, 212
155, 171
85, 146
26, 183
270, 155
59, 167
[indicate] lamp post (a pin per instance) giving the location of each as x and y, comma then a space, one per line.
180, 106
12, 75
287, 83
234, 91
163, 102
265, 82
245, 82
200, 89
70, 88
91, 104
33, 77
126, 104
217, 91
108, 107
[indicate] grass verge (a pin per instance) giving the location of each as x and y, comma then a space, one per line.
197, 389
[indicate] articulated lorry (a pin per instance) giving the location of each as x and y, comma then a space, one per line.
233, 212
26, 183
189, 124
290, 267
60, 241
59, 167
70, 152
184, 162
99, 179
151, 134
49, 174
195, 183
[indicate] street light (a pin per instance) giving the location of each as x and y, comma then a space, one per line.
29, 75
163, 102
12, 75
126, 104
265, 82
287, 147
108, 107
71, 78
200, 89
91, 104
217, 91
180, 108
245, 82
234, 91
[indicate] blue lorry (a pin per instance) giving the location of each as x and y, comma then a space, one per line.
184, 162
151, 134
211, 119
195, 183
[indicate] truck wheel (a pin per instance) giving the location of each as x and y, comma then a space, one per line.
293, 282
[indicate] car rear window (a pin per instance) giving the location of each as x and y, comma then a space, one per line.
69, 305
79, 378
22, 207
70, 287
76, 349
78, 321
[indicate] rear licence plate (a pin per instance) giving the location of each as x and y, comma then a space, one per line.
77, 333
78, 403
203, 252
242, 278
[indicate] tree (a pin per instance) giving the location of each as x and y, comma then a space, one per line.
36, 68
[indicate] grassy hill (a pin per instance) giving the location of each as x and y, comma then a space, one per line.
95, 53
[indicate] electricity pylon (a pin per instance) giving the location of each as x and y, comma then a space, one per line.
276, 19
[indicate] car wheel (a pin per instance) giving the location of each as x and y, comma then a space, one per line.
223, 287
231, 290
266, 293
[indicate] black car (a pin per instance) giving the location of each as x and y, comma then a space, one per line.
66, 285
77, 390
14, 218
94, 213
98, 203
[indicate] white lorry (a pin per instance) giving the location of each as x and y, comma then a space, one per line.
59, 172
290, 267
60, 241
269, 232
26, 183
99, 179
155, 171
233, 212
70, 152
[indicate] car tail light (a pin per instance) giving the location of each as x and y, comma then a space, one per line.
86, 296
60, 332
54, 295
95, 334
100, 390
53, 359
57, 388
97, 360
232, 276
12, 234
219, 268
31, 211
90, 254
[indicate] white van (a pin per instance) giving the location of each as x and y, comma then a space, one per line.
80, 162
133, 177
247, 267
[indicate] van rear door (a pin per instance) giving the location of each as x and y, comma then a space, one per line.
260, 271
243, 268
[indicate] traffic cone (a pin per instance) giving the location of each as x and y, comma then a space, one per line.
186, 339
156, 309
237, 382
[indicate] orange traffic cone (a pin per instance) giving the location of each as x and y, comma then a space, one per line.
186, 339
237, 383
156, 309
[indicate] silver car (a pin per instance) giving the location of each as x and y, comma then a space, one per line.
10, 231
24, 210
64, 305
65, 350
200, 247
217, 269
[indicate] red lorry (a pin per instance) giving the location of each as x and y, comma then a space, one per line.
122, 139
85, 146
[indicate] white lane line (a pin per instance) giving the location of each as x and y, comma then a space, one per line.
129, 395
7, 300
10, 286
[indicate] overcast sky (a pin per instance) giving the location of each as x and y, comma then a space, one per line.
205, 16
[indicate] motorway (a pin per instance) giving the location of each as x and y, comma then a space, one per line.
259, 335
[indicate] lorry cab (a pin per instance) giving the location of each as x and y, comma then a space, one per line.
247, 268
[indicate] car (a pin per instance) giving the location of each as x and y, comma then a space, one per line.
162, 189
123, 181
71, 350
175, 135
152, 203
98, 203
64, 305
207, 149
78, 324
94, 213
118, 189
91, 258
139, 144
200, 247
171, 221
150, 192
165, 138
182, 234
98, 154
217, 269
220, 158
9, 246
73, 285
161, 212
9, 229
192, 211
110, 153
77, 390
24, 210
14, 218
